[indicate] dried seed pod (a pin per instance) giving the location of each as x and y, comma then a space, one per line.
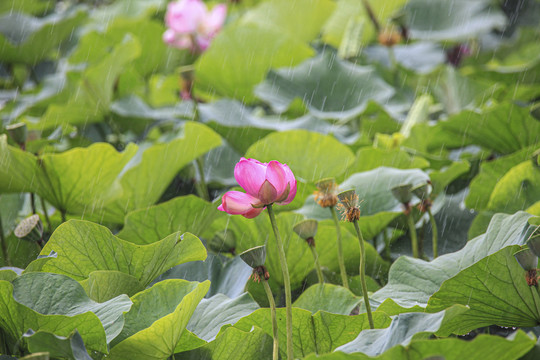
30, 229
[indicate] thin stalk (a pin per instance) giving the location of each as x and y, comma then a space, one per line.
386, 244
341, 262
63, 215
414, 238
286, 282
202, 188
44, 209
435, 235
363, 273
33, 202
317, 265
4, 244
274, 318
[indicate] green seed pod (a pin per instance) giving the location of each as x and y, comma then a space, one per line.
254, 257
422, 191
306, 229
526, 259
403, 193
30, 229
224, 242
18, 132
534, 245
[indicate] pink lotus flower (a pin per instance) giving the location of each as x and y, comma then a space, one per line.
265, 184
191, 25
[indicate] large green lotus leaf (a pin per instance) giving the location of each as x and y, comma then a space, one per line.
17, 318
133, 108
141, 187
348, 11
491, 172
511, 348
412, 281
311, 156
440, 179
504, 128
241, 55
300, 19
451, 20
26, 39
185, 214
219, 310
403, 329
329, 87
159, 316
227, 276
234, 344
66, 347
103, 285
369, 158
518, 189
94, 46
17, 168
327, 297
55, 294
25, 6
242, 127
84, 247
94, 91
320, 333
496, 292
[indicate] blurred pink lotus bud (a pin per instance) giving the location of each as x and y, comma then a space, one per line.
264, 183
191, 26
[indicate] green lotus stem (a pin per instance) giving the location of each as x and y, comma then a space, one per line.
286, 282
63, 215
4, 244
44, 209
274, 318
202, 189
341, 262
386, 239
33, 202
317, 265
435, 235
414, 238
363, 273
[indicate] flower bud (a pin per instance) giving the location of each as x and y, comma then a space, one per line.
307, 229
30, 229
526, 259
403, 193
224, 242
18, 132
254, 257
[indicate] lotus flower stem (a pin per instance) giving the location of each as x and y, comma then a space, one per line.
201, 186
317, 264
44, 209
341, 262
286, 282
363, 273
4, 244
268, 291
414, 238
435, 235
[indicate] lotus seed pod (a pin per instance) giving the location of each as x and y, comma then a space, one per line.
526, 259
18, 132
254, 257
422, 191
306, 229
224, 242
30, 229
403, 193
534, 245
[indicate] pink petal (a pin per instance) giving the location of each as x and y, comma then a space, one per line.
275, 174
254, 212
267, 193
250, 175
214, 20
237, 203
185, 16
291, 180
